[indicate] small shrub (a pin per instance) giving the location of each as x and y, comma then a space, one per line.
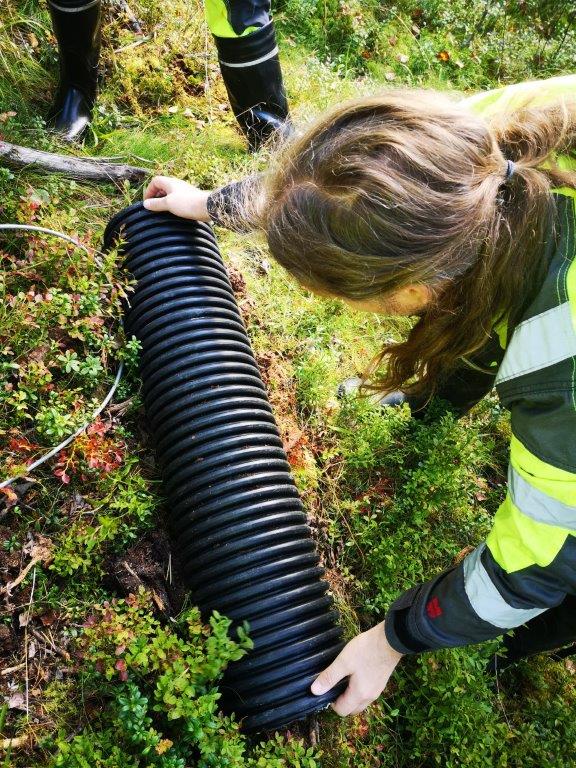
161, 687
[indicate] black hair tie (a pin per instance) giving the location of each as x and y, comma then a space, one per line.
510, 169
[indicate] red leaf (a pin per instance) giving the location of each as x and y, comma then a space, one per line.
22, 445
60, 473
11, 497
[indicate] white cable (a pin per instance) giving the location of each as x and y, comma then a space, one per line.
34, 228
79, 431
110, 394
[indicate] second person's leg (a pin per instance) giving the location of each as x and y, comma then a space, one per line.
248, 55
77, 25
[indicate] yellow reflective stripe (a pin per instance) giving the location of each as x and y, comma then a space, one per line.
554, 482
513, 97
501, 330
517, 541
217, 20
565, 191
485, 599
571, 292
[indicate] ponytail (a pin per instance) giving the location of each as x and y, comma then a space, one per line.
407, 187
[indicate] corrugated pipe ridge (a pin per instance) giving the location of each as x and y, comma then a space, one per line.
235, 515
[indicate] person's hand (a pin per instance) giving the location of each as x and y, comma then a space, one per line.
164, 193
368, 661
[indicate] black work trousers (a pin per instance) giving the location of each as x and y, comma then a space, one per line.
226, 18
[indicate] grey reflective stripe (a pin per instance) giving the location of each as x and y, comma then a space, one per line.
485, 599
538, 505
541, 341
74, 10
266, 56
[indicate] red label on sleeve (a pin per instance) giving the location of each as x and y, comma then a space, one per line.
433, 608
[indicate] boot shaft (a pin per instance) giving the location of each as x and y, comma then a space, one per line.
77, 28
253, 78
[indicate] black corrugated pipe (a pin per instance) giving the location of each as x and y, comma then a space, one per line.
234, 512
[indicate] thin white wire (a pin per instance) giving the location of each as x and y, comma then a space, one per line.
34, 228
72, 437
113, 388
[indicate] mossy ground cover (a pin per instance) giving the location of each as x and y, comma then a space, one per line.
104, 661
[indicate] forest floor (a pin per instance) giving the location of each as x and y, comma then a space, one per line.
90, 601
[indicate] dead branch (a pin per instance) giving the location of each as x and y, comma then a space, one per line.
40, 550
83, 169
7, 588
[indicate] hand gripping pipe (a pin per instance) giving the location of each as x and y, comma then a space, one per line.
235, 516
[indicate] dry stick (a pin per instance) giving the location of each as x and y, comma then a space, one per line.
7, 589
9, 670
47, 641
19, 741
135, 23
27, 689
14, 156
132, 45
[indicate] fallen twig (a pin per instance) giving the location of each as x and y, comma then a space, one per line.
47, 641
134, 21
135, 44
9, 670
41, 552
18, 741
26, 645
83, 169
21, 576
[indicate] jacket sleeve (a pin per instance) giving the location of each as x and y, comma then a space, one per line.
472, 379
227, 206
528, 563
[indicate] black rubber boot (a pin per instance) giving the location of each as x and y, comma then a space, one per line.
251, 70
77, 30
352, 386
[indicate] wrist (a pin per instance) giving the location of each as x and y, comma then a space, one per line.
199, 206
385, 645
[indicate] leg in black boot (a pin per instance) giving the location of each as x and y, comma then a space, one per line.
77, 25
248, 54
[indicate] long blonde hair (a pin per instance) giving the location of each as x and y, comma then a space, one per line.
409, 187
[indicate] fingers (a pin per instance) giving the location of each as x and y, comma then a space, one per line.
354, 699
331, 676
159, 186
367, 661
156, 204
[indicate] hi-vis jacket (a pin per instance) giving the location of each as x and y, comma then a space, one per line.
528, 563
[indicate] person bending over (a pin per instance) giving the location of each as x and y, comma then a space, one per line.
464, 214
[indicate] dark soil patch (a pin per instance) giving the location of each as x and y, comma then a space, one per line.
150, 564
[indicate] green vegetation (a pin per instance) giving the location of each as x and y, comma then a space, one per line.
119, 670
